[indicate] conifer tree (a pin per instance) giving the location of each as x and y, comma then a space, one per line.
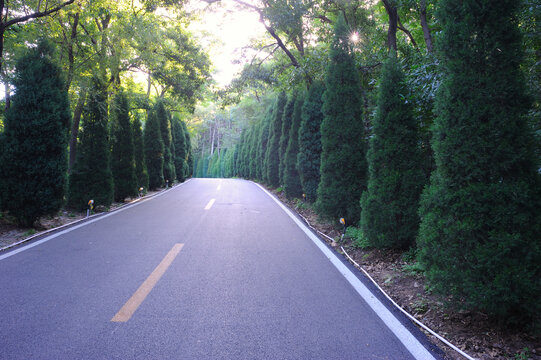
141, 172
123, 151
263, 139
292, 181
33, 162
154, 150
343, 163
309, 157
480, 215
165, 127
91, 177
395, 180
284, 134
180, 156
272, 160
189, 152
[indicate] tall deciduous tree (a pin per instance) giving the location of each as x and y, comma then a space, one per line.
389, 205
91, 177
309, 157
123, 151
154, 150
343, 163
33, 161
480, 227
292, 181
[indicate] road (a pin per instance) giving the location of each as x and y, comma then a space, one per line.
211, 269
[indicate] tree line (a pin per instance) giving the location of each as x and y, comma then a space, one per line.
115, 158
455, 178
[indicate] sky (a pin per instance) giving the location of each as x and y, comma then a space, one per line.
229, 29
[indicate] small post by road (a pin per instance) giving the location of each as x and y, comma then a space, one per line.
90, 207
343, 222
141, 191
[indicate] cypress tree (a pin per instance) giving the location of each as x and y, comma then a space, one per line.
343, 163
123, 151
272, 160
263, 139
180, 156
91, 177
189, 153
140, 163
292, 181
480, 215
254, 137
284, 134
165, 127
154, 150
389, 205
34, 160
308, 160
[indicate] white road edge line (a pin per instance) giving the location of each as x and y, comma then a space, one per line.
404, 335
39, 242
209, 205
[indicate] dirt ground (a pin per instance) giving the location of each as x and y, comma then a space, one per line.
472, 332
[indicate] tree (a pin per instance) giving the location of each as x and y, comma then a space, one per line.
189, 152
91, 177
292, 181
123, 151
272, 161
343, 163
181, 153
284, 134
389, 205
168, 151
480, 215
140, 163
263, 139
154, 151
34, 155
309, 157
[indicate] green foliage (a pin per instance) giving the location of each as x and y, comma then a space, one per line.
263, 140
33, 157
272, 160
123, 151
287, 118
389, 206
139, 146
343, 163
91, 177
181, 149
154, 150
480, 215
292, 181
189, 151
308, 159
164, 116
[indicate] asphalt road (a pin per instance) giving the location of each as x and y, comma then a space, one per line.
211, 269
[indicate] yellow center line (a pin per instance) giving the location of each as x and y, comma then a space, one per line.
126, 312
209, 205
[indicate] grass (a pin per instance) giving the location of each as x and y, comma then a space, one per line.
30, 232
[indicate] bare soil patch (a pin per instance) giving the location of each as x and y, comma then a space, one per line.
472, 332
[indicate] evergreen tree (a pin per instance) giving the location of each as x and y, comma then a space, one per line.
140, 163
91, 177
389, 205
180, 156
292, 181
263, 139
272, 160
165, 127
154, 150
343, 163
480, 215
189, 153
284, 134
308, 159
254, 137
123, 151
34, 159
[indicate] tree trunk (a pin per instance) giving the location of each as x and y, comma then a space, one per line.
426, 29
75, 129
393, 24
